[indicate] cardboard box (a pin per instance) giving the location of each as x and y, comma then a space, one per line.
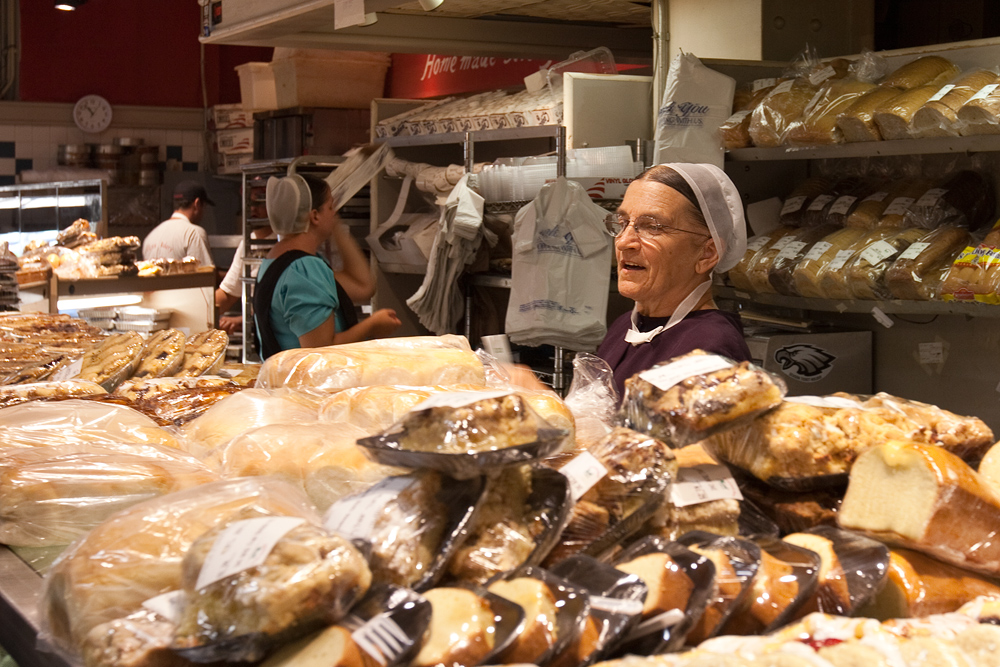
257, 90
230, 163
817, 363
239, 140
230, 116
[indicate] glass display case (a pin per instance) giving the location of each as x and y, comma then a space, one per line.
38, 211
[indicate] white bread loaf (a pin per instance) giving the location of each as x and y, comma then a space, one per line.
937, 118
771, 120
924, 498
925, 71
807, 272
818, 125
980, 115
906, 277
893, 117
857, 122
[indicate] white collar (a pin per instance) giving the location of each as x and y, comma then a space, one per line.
179, 216
636, 337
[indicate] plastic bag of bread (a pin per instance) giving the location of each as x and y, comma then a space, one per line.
592, 398
679, 582
176, 408
802, 197
866, 270
981, 113
788, 247
818, 124
34, 391
844, 197
134, 557
805, 275
204, 353
53, 495
938, 117
162, 354
868, 212
924, 71
241, 412
113, 360
618, 483
468, 627
782, 106
762, 243
782, 270
925, 498
688, 398
903, 198
975, 273
893, 117
417, 361
832, 278
857, 122
735, 131
137, 389
966, 199
42, 423
909, 273
852, 569
322, 459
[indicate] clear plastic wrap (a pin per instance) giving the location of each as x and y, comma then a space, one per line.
135, 556
893, 117
113, 360
845, 196
975, 273
735, 131
162, 354
321, 459
22, 393
466, 433
635, 471
758, 247
909, 274
771, 120
204, 353
902, 199
867, 212
857, 123
178, 407
78, 421
832, 278
781, 273
923, 71
592, 398
416, 361
794, 208
468, 627
965, 199
939, 116
413, 523
787, 249
53, 495
818, 124
925, 498
679, 582
981, 113
866, 270
241, 412
806, 274
518, 523
688, 398
135, 390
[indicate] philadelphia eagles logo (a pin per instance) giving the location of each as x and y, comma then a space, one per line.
804, 362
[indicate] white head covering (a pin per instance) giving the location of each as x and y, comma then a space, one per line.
288, 204
722, 207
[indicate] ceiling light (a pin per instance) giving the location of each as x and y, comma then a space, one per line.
428, 5
69, 5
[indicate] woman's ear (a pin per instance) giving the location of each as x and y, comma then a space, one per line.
313, 217
708, 258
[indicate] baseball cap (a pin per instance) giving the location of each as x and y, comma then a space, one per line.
188, 191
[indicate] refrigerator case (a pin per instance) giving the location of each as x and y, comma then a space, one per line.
817, 363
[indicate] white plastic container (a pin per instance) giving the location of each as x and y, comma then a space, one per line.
257, 90
343, 80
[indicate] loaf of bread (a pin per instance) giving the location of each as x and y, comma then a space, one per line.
868, 212
918, 585
937, 118
981, 114
902, 199
162, 354
893, 117
866, 270
461, 632
833, 595
818, 125
908, 274
850, 192
966, 199
975, 273
774, 588
857, 122
782, 271
924, 498
329, 369
770, 121
790, 247
669, 585
735, 131
539, 632
925, 71
807, 272
794, 208
757, 247
833, 278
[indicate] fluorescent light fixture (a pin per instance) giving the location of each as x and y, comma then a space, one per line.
69, 5
428, 5
104, 301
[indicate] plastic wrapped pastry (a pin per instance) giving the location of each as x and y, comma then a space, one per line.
975, 273
162, 354
866, 270
806, 273
771, 120
204, 353
938, 117
540, 618
53, 495
178, 407
417, 361
690, 397
136, 390
909, 274
462, 629
22, 393
857, 122
735, 131
113, 360
925, 71
893, 117
818, 124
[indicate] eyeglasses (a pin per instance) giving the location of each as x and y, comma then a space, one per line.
645, 227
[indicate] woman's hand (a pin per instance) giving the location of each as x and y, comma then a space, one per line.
383, 322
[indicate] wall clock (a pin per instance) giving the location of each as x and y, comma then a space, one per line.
92, 113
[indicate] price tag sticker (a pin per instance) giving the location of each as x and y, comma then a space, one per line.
822, 75
757, 243
842, 205
792, 204
355, 516
666, 376
840, 259
583, 472
69, 371
736, 118
242, 545
837, 402
782, 242
782, 87
985, 91
702, 484
764, 83
931, 197
820, 201
818, 250
615, 605
876, 196
945, 89
914, 250
931, 353
877, 252
456, 399
169, 605
899, 206
791, 250
882, 318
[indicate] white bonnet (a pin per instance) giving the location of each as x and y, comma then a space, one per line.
288, 204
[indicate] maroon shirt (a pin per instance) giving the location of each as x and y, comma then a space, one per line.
715, 331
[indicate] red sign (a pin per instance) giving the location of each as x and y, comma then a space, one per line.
416, 76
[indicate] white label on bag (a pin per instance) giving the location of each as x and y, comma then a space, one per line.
382, 639
792, 204
985, 91
355, 516
876, 196
666, 376
69, 371
839, 260
818, 250
782, 242
616, 606
878, 251
583, 472
822, 75
914, 250
736, 118
169, 605
758, 243
742, 295
782, 87
702, 484
842, 205
931, 353
899, 206
763, 83
882, 318
945, 89
791, 250
242, 545
456, 399
818, 203
823, 401
931, 197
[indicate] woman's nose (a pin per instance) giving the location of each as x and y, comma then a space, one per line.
627, 238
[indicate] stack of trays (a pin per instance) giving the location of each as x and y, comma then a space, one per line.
8, 283
99, 317
143, 320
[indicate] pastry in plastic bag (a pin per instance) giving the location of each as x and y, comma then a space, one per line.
866, 271
966, 199
924, 71
805, 275
857, 122
938, 117
540, 629
182, 405
34, 391
818, 125
136, 389
162, 354
462, 629
204, 353
309, 578
981, 114
690, 397
771, 120
113, 360
893, 117
785, 578
909, 273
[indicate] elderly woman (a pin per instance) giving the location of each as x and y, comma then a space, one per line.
298, 301
676, 225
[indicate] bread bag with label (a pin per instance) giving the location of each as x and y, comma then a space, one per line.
783, 105
981, 113
909, 273
757, 247
937, 118
866, 271
818, 125
782, 270
806, 273
966, 199
857, 122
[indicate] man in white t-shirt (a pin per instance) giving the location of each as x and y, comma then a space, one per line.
181, 236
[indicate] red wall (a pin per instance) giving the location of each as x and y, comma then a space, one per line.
140, 52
